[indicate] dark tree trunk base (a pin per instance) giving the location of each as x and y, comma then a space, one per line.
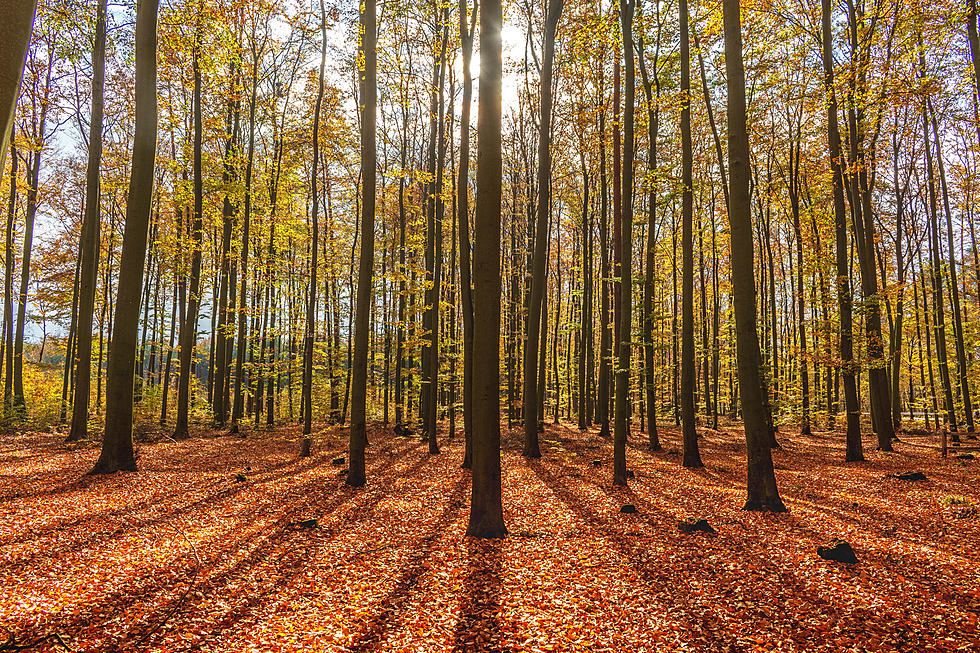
112, 466
774, 504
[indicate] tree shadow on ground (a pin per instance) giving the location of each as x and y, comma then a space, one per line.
478, 628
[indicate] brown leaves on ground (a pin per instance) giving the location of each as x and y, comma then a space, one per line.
180, 556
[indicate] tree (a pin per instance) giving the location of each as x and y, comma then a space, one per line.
854, 450
308, 339
486, 508
649, 319
761, 485
692, 457
538, 279
117, 443
15, 30
369, 107
463, 215
89, 249
621, 430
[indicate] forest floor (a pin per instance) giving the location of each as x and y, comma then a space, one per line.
182, 556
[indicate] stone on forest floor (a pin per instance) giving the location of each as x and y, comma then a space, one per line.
692, 525
597, 463
241, 478
908, 476
629, 509
839, 551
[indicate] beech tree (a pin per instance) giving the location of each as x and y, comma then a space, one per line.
117, 442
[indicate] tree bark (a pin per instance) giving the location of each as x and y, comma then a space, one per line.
463, 216
188, 329
761, 479
369, 104
854, 447
543, 213
486, 517
117, 444
89, 250
692, 457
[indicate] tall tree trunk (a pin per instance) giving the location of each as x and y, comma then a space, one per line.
188, 330
954, 291
622, 425
692, 457
793, 181
584, 417
463, 216
238, 402
486, 509
222, 351
854, 447
8, 283
34, 174
369, 102
761, 479
89, 250
117, 443
936, 263
649, 319
310, 332
543, 213
605, 337
863, 223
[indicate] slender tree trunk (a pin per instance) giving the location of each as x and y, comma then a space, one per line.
238, 406
34, 174
463, 216
89, 250
188, 330
761, 480
622, 421
8, 282
117, 444
954, 291
649, 319
854, 447
369, 102
309, 335
486, 509
692, 457
543, 213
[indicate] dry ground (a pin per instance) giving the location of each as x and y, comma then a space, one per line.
181, 556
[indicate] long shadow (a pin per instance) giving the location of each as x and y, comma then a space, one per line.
391, 607
63, 488
656, 577
870, 516
222, 494
478, 628
310, 496
275, 542
790, 584
226, 492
